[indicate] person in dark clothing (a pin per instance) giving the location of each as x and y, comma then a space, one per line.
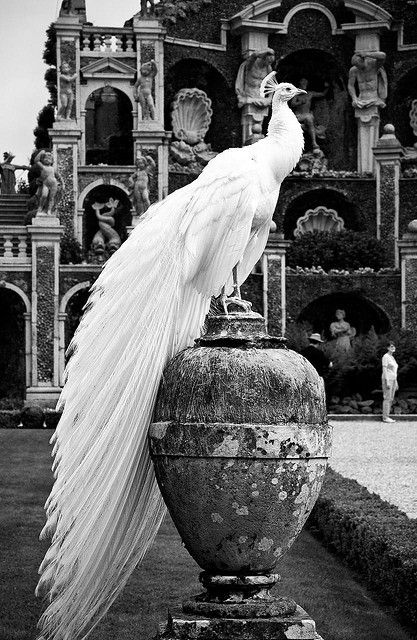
315, 355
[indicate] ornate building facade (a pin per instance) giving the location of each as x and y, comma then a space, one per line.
142, 108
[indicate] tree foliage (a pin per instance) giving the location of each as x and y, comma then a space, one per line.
168, 11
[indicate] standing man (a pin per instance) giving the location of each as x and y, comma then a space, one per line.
315, 355
389, 381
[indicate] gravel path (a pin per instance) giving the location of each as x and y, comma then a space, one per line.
382, 457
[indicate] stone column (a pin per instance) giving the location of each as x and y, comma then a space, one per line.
408, 253
45, 233
65, 138
388, 153
273, 263
68, 30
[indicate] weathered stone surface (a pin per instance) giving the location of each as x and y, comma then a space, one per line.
184, 627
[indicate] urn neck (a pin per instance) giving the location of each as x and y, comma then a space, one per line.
238, 329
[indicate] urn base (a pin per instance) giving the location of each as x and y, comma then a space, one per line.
181, 626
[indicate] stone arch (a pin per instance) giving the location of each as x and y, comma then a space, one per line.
198, 73
400, 103
15, 341
108, 127
362, 8
361, 313
311, 198
65, 332
310, 5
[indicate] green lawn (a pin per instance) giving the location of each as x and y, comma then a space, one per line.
343, 608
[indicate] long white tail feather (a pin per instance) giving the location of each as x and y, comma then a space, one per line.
149, 302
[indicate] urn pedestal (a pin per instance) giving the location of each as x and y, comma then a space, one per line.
240, 442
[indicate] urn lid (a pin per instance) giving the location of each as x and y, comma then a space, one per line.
238, 330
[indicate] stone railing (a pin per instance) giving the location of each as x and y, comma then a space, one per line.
111, 40
14, 245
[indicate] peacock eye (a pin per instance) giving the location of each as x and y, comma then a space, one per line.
287, 89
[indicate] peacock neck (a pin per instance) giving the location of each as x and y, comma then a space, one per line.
285, 129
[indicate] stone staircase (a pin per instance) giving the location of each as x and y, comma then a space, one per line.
13, 209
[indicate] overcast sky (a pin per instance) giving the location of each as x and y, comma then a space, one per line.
22, 37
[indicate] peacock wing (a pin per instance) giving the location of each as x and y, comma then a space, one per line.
218, 219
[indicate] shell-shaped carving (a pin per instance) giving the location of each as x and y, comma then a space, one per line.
191, 115
319, 219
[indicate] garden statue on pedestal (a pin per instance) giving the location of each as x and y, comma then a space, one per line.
191, 118
342, 333
106, 238
139, 183
301, 105
7, 173
368, 76
248, 81
47, 181
142, 91
147, 8
66, 93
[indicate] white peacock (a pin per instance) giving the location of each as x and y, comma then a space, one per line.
319, 219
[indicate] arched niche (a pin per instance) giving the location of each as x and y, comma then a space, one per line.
13, 349
401, 99
328, 198
333, 115
108, 127
361, 313
194, 73
74, 309
102, 194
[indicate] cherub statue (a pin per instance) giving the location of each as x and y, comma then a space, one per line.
147, 7
48, 182
66, 93
106, 237
142, 90
139, 183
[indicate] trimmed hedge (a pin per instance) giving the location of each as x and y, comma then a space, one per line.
373, 536
29, 418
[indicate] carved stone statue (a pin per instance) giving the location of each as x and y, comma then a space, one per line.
413, 118
301, 105
66, 93
139, 183
7, 173
106, 238
48, 182
368, 88
142, 90
248, 81
191, 117
147, 8
342, 333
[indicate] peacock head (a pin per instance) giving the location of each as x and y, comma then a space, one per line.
281, 91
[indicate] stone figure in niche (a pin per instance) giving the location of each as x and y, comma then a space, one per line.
368, 88
139, 183
47, 182
66, 93
301, 105
142, 90
7, 173
248, 81
106, 238
147, 8
342, 334
191, 117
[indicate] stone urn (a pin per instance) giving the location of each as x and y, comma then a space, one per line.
240, 442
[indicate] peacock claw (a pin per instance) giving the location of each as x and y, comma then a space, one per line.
245, 305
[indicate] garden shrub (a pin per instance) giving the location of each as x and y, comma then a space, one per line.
350, 250
373, 536
9, 418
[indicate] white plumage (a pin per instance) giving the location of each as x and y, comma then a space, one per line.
149, 302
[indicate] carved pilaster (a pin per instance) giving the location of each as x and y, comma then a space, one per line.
45, 233
408, 255
274, 296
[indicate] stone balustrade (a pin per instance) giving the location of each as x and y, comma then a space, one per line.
107, 40
14, 245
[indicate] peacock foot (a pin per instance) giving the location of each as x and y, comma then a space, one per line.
245, 305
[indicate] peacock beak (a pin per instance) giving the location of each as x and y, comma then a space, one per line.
300, 91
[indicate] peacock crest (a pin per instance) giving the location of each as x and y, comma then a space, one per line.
268, 85
191, 115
